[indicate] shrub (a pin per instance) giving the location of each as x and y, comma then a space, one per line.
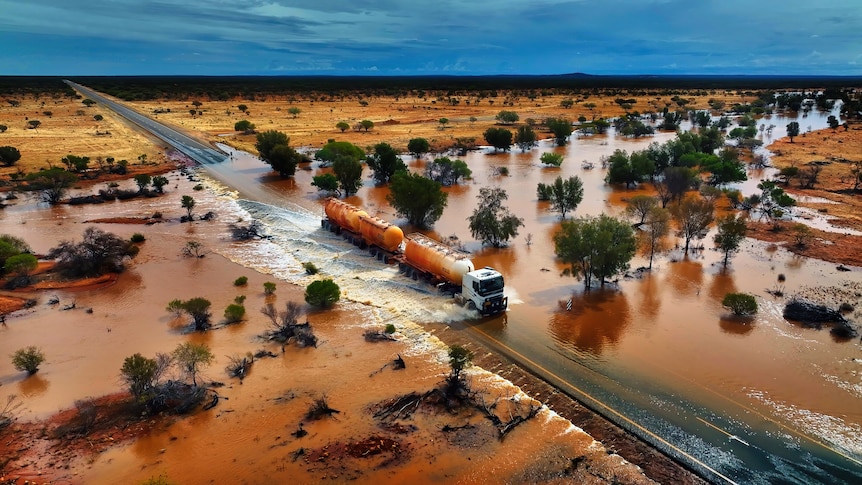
504, 171
322, 293
269, 288
741, 304
390, 328
845, 307
234, 313
138, 238
175, 307
241, 281
310, 268
28, 359
198, 187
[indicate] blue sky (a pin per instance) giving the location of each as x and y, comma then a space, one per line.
420, 37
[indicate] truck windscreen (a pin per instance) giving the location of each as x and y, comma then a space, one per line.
491, 285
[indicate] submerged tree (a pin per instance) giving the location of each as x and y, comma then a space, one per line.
600, 247
731, 233
564, 195
419, 199
491, 222
693, 215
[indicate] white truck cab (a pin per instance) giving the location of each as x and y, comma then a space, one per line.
483, 289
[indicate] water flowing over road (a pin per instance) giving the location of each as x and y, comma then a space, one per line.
765, 403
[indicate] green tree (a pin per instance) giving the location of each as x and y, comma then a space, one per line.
491, 222
244, 126
242, 108
833, 122
139, 373
334, 149
460, 358
349, 174
525, 138
191, 358
142, 180
693, 215
188, 203
98, 117
325, 182
3, 128
294, 111
499, 138
20, 264
343, 126
322, 293
283, 159
741, 304
269, 288
731, 233
75, 163
52, 183
28, 359
551, 158
234, 313
385, 162
599, 247
507, 117
34, 124
159, 182
366, 125
419, 199
565, 195
562, 129
654, 230
88, 102
418, 147
443, 122
199, 309
9, 155
268, 140
447, 171
792, 130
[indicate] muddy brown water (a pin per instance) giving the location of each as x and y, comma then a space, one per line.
759, 401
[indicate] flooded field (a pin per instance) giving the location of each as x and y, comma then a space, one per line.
762, 402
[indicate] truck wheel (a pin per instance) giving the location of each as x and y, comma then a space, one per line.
415, 275
385, 259
363, 244
373, 252
471, 305
338, 230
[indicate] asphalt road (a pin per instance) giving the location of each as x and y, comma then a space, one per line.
200, 152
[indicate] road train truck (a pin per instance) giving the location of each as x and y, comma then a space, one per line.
419, 257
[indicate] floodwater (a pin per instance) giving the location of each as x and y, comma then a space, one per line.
759, 402
754, 402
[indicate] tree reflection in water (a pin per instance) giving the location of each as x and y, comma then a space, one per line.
595, 323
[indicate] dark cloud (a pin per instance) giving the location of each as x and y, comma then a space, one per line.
404, 37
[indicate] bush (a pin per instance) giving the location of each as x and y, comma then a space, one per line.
175, 307
138, 238
28, 359
269, 288
198, 187
322, 293
310, 268
234, 313
390, 328
241, 281
741, 304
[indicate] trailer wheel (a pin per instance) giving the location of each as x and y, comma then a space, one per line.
415, 275
323, 223
373, 252
338, 230
363, 244
385, 259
